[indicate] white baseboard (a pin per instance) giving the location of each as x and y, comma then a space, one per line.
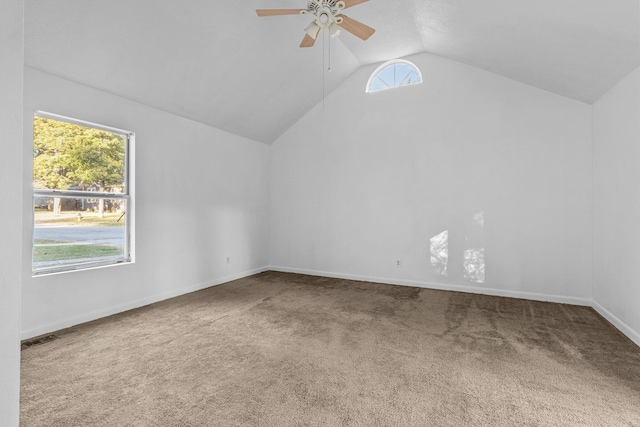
442, 286
108, 311
87, 317
615, 321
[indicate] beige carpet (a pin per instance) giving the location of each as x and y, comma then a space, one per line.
282, 349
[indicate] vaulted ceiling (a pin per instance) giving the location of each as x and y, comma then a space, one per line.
218, 63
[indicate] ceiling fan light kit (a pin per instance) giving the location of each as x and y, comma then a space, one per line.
334, 29
327, 14
313, 29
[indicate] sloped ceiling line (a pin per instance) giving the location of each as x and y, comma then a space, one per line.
220, 64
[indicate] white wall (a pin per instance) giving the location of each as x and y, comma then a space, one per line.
363, 181
201, 195
368, 179
616, 183
11, 52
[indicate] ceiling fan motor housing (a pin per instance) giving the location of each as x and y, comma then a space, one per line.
327, 14
325, 11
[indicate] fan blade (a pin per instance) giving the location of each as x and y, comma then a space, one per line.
307, 41
356, 28
277, 12
350, 3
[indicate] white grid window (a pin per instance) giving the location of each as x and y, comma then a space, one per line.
394, 74
81, 194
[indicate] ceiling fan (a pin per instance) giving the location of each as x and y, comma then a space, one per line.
327, 14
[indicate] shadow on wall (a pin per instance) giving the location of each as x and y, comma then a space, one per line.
467, 260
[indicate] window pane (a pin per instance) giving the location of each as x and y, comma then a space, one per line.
378, 84
387, 75
68, 156
395, 74
401, 71
411, 78
71, 231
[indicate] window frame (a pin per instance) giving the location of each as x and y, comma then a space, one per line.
384, 66
125, 195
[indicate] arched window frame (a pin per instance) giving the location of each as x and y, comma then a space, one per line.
387, 64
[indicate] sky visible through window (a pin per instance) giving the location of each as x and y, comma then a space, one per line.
394, 75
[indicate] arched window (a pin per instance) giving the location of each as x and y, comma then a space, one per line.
394, 74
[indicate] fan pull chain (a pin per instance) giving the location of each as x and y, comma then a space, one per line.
323, 88
329, 69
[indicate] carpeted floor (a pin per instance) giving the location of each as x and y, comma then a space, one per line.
281, 349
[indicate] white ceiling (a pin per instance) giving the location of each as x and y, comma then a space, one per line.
218, 63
